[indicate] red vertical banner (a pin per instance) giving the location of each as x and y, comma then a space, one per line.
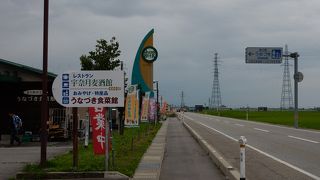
98, 119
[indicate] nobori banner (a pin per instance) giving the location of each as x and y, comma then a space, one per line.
89, 89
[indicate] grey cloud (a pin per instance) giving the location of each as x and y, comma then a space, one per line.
187, 33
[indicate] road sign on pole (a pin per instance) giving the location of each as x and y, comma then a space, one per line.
264, 55
89, 89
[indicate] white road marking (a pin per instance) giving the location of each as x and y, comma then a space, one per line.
261, 130
218, 120
316, 142
258, 150
272, 125
239, 125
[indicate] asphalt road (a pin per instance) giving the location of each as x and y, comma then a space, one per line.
13, 159
184, 158
277, 152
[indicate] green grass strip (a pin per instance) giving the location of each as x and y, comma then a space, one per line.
307, 119
126, 155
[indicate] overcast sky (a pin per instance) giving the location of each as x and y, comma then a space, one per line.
187, 34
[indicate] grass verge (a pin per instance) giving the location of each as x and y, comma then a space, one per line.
307, 119
128, 149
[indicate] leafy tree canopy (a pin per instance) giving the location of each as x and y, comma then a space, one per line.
105, 56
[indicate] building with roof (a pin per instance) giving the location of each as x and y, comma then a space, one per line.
20, 93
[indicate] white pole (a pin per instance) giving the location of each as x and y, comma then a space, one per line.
242, 142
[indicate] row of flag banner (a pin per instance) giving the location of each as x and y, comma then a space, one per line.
132, 115
133, 112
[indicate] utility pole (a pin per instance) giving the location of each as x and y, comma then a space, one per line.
44, 102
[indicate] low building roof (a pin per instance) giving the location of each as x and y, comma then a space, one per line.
26, 68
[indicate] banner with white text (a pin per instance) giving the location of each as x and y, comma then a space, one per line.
98, 123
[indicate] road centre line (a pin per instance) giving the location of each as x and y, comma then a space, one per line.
239, 125
261, 130
260, 151
316, 142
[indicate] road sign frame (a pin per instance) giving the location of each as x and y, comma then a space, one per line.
89, 89
264, 55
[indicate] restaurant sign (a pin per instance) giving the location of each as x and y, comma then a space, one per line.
89, 89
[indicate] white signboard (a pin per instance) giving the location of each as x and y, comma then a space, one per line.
264, 55
89, 89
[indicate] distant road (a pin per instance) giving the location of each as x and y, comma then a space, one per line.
287, 153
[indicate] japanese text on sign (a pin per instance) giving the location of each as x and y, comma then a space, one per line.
90, 89
97, 116
264, 55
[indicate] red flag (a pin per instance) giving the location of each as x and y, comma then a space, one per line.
98, 119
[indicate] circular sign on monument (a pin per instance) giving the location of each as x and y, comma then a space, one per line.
149, 54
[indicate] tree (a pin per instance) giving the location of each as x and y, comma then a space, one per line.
105, 56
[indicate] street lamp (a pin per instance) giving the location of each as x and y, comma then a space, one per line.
157, 89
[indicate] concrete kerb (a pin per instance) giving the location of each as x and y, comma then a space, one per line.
112, 175
151, 162
220, 162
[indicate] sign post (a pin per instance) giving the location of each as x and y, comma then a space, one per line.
273, 55
75, 136
107, 142
87, 129
297, 78
96, 89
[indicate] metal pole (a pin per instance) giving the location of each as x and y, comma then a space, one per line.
44, 102
75, 136
296, 115
157, 101
110, 129
107, 142
122, 109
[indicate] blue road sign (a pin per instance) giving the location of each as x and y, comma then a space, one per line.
264, 55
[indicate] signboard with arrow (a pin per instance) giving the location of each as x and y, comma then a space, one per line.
264, 55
